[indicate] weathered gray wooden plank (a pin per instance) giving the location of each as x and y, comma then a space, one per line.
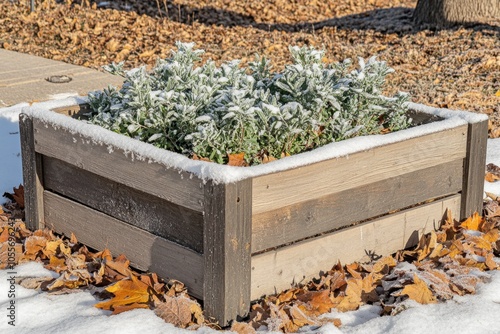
180, 188
228, 228
32, 175
300, 262
474, 169
158, 216
144, 250
281, 189
306, 219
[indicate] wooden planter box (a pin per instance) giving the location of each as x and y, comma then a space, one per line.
232, 234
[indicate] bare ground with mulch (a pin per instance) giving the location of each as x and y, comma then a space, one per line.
456, 68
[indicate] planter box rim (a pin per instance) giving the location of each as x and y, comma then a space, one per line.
228, 174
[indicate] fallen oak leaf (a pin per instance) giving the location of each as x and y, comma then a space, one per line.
126, 292
490, 262
19, 196
359, 292
196, 157
237, 159
418, 291
474, 222
242, 328
4, 236
56, 264
494, 169
5, 248
71, 279
384, 264
490, 177
179, 311
300, 316
318, 301
33, 245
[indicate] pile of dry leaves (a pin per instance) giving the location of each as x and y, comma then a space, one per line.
455, 68
447, 262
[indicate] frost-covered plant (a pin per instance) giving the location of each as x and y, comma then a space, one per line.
211, 111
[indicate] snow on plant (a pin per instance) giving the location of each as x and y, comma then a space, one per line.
211, 111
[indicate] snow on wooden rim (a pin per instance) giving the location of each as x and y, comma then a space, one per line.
229, 174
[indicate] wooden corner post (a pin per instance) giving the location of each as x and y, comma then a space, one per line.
227, 250
474, 167
32, 174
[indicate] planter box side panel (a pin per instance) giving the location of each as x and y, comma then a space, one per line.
144, 250
331, 212
177, 187
278, 269
277, 190
318, 198
148, 212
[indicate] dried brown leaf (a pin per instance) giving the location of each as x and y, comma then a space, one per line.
237, 159
242, 328
418, 291
126, 292
178, 311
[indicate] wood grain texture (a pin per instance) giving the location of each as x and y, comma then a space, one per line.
474, 169
228, 229
281, 189
158, 216
32, 175
306, 219
279, 269
144, 250
180, 188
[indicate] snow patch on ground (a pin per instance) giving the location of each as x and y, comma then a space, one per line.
493, 156
75, 313
10, 149
463, 314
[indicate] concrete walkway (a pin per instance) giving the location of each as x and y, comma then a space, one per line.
23, 79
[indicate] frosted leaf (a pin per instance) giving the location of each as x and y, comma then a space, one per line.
234, 109
155, 137
229, 115
270, 108
204, 118
133, 128
361, 62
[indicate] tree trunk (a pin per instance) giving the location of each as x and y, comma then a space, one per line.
449, 12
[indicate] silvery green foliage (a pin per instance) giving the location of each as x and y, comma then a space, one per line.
211, 111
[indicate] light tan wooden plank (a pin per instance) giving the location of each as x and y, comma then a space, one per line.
320, 179
278, 269
298, 221
32, 175
144, 250
158, 216
180, 188
472, 200
227, 233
